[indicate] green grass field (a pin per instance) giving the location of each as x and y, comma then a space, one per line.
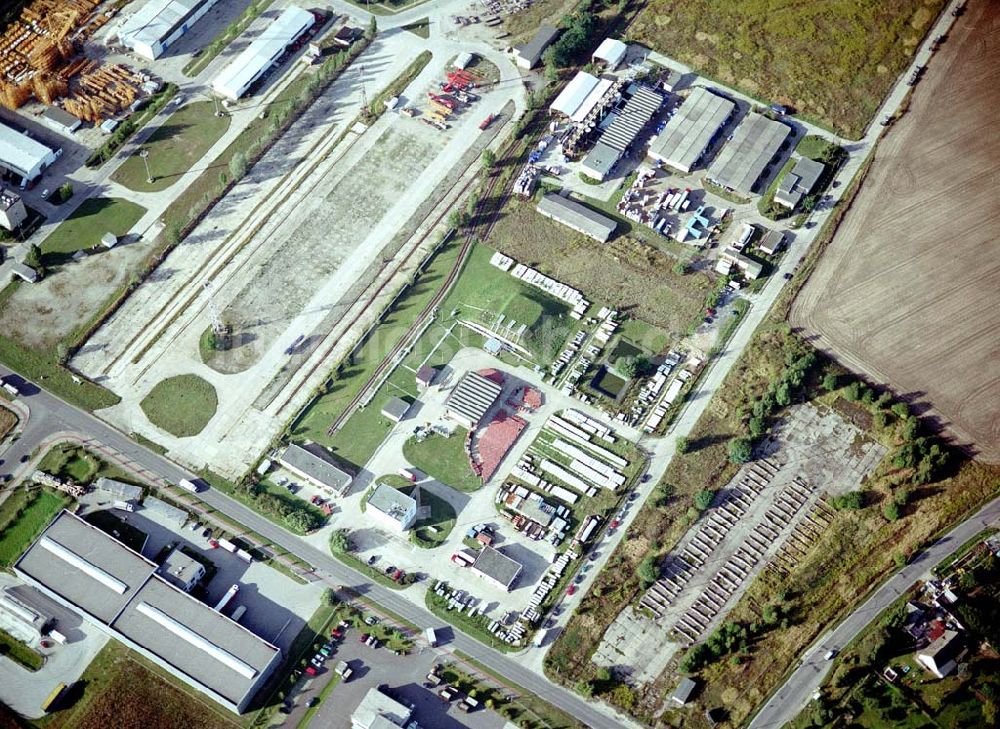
23, 516
831, 61
84, 228
174, 148
442, 519
18, 652
444, 459
181, 405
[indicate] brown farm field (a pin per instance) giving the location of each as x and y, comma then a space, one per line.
635, 278
831, 60
906, 292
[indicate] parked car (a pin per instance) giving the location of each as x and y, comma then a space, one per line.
615, 522
788, 276
645, 479
337, 634
363, 638
571, 591
312, 702
371, 620
372, 560
311, 670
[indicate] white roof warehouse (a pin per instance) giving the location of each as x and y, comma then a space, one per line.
158, 23
23, 155
257, 58
117, 589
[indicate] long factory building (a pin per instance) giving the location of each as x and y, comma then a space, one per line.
755, 143
119, 591
693, 129
257, 58
23, 156
159, 23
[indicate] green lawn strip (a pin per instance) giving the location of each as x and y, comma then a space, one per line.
83, 229
181, 405
766, 205
25, 520
377, 106
473, 627
12, 648
442, 518
176, 145
130, 126
373, 573
421, 28
544, 713
732, 322
444, 459
386, 7
725, 194
148, 444
227, 36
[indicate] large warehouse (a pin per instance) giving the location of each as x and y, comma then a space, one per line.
471, 399
625, 127
743, 160
692, 130
158, 23
24, 156
257, 58
578, 217
118, 590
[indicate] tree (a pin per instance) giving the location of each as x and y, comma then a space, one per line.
680, 268
740, 450
911, 426
850, 501
339, 543
648, 571
628, 367
830, 382
783, 395
683, 445
33, 259
890, 512
967, 581
703, 499
663, 494
757, 427
488, 158
604, 674
329, 597
585, 688
853, 391
238, 165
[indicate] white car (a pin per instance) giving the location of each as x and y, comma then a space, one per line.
45, 194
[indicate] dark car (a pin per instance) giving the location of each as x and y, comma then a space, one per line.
788, 276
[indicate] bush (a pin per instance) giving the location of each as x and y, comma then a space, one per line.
890, 511
852, 392
339, 542
740, 450
683, 445
649, 571
851, 501
703, 499
830, 382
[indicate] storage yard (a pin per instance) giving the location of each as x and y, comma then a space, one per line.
895, 294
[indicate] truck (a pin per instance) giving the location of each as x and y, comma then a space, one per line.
408, 475
238, 613
188, 485
431, 637
9, 387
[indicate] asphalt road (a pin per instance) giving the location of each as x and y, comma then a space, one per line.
51, 415
788, 701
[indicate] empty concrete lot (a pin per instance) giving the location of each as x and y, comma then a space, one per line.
906, 291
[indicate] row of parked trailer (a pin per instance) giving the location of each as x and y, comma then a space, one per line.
552, 576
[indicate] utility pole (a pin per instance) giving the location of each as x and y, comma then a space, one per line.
218, 328
144, 153
215, 99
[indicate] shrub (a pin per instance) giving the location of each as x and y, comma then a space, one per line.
890, 512
851, 501
740, 450
339, 543
649, 571
830, 382
852, 392
703, 499
683, 445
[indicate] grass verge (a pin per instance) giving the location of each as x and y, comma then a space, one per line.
227, 36
23, 516
474, 627
444, 459
181, 405
20, 653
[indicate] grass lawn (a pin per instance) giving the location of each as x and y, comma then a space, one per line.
444, 459
23, 516
83, 229
475, 627
442, 518
181, 405
831, 61
420, 27
174, 147
76, 462
121, 689
18, 652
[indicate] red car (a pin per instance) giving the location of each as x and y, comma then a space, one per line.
363, 638
311, 670
336, 634
615, 523
571, 591
314, 500
397, 575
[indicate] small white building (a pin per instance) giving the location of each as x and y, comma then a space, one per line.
496, 568
611, 52
59, 120
12, 210
393, 509
182, 571
941, 657
24, 156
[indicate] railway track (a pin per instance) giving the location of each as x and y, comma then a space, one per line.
405, 340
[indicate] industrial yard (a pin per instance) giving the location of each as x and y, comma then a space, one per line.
900, 309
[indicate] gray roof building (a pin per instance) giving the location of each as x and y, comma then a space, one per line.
181, 570
393, 507
755, 143
88, 571
691, 131
379, 711
25, 273
119, 490
578, 217
771, 242
600, 161
310, 462
530, 53
683, 691
60, 120
395, 409
164, 510
798, 182
497, 567
621, 133
471, 399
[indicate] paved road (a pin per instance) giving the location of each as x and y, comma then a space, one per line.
785, 704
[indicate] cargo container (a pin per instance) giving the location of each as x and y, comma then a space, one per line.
431, 637
238, 612
227, 598
244, 555
227, 545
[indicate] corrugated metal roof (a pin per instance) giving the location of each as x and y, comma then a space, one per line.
472, 397
611, 50
688, 134
742, 160
156, 20
577, 216
574, 94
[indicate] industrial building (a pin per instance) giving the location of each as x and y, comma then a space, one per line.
395, 409
754, 144
118, 590
471, 399
118, 490
692, 130
257, 58
393, 509
312, 464
181, 570
772, 242
159, 23
611, 53
496, 568
574, 93
21, 620
60, 121
23, 156
529, 54
378, 710
12, 210
621, 128
799, 182
578, 217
